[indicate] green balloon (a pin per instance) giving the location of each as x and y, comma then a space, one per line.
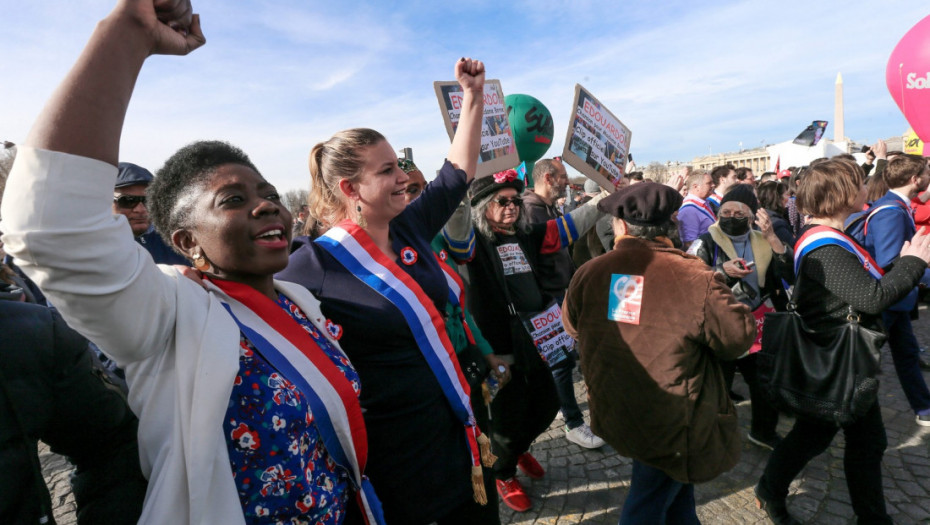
532, 128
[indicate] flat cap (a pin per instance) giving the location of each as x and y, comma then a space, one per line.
130, 174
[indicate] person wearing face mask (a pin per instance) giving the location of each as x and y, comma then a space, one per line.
757, 267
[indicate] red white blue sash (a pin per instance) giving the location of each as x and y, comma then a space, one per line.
354, 249
456, 292
293, 352
715, 199
819, 236
908, 211
702, 207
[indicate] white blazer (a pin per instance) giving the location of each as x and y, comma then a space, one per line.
176, 342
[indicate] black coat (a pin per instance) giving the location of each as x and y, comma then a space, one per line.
50, 391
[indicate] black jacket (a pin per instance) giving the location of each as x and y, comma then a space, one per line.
50, 391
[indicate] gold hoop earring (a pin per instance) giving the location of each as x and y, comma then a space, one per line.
201, 262
359, 218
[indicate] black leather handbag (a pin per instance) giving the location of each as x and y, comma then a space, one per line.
830, 375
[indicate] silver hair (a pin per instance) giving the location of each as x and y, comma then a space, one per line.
649, 232
481, 222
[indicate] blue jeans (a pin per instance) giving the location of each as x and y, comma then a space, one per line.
657, 499
905, 352
565, 388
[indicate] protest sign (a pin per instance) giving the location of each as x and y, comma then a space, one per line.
498, 149
912, 143
597, 143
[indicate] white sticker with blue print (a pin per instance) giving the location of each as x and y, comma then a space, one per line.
626, 298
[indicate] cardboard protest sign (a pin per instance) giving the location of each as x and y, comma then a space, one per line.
498, 150
597, 143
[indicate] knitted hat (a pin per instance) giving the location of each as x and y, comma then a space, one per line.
644, 204
591, 187
742, 193
485, 186
130, 174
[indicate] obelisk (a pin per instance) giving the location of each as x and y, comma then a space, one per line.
839, 134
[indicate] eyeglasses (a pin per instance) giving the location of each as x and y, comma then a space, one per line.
128, 202
503, 202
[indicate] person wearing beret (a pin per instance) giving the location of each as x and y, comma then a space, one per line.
653, 325
504, 289
757, 266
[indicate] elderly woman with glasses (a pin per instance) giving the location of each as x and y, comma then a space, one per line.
504, 288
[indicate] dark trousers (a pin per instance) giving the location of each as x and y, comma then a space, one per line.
657, 499
522, 410
764, 415
862, 461
905, 352
565, 385
565, 388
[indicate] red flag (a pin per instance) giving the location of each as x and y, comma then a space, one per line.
778, 164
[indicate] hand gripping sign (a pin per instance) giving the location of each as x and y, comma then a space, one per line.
498, 149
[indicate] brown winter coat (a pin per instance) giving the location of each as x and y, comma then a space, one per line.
655, 390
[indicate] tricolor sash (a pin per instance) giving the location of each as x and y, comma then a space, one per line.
823, 235
456, 293
293, 352
702, 207
896, 204
353, 248
715, 199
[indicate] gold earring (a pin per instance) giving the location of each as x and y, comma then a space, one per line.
359, 218
201, 263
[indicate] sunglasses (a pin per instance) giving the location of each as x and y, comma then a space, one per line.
503, 202
128, 202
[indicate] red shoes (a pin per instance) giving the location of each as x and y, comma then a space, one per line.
530, 466
512, 494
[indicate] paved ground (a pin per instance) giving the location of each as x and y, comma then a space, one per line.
588, 487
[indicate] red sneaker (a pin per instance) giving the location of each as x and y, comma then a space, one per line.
530, 466
511, 493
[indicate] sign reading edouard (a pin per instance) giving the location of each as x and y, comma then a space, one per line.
498, 149
597, 143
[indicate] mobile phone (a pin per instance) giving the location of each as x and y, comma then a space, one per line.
748, 265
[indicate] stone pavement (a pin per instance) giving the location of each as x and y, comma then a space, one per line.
588, 487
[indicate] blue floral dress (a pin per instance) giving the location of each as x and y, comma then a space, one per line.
281, 468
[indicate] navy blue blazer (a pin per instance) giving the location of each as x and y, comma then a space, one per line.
888, 230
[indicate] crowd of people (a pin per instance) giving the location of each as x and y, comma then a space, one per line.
389, 352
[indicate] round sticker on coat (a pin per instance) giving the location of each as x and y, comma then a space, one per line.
443, 255
408, 256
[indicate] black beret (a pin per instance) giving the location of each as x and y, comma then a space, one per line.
742, 193
643, 204
485, 186
130, 174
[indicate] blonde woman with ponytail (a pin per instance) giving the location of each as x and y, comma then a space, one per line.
382, 291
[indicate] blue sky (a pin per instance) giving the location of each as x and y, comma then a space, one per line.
278, 76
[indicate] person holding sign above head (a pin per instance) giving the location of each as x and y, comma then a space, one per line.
555, 272
652, 325
248, 409
383, 293
521, 321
